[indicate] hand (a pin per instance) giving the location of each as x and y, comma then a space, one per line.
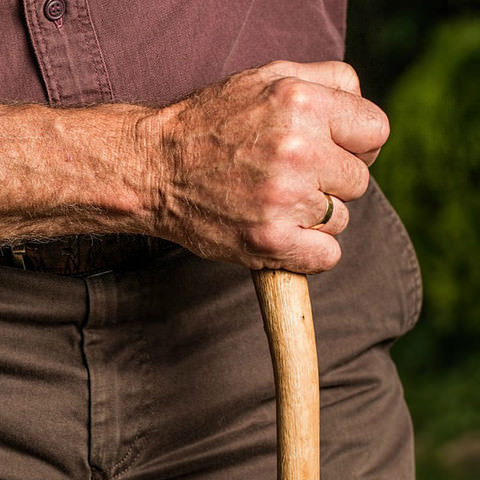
249, 160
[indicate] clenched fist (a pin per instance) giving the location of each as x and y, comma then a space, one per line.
249, 160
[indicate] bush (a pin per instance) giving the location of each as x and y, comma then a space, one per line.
430, 170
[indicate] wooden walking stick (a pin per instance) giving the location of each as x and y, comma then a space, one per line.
287, 315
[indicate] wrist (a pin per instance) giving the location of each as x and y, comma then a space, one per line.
122, 168
156, 135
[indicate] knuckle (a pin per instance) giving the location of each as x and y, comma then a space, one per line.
290, 146
264, 239
295, 94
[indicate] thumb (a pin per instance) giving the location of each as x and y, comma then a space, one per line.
332, 74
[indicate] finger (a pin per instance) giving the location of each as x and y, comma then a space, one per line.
348, 115
356, 124
286, 245
342, 174
338, 220
315, 252
337, 75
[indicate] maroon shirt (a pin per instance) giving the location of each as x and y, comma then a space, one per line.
153, 51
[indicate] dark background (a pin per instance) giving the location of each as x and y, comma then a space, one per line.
420, 61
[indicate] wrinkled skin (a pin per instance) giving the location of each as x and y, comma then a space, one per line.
248, 161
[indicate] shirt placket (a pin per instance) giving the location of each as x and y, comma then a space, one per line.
68, 52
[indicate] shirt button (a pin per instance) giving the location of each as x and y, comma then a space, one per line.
54, 9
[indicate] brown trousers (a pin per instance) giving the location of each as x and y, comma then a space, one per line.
164, 373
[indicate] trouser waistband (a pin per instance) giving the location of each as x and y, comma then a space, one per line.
84, 254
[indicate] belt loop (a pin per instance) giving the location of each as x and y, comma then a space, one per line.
18, 256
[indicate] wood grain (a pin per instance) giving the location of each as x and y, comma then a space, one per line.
287, 314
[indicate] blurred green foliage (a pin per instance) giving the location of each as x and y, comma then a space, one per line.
430, 169
423, 66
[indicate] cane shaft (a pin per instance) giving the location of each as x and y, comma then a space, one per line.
287, 315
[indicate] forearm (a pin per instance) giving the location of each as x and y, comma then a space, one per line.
72, 171
235, 172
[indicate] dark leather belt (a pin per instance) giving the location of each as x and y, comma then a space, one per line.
84, 254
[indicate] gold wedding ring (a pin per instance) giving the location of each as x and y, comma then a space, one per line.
328, 213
